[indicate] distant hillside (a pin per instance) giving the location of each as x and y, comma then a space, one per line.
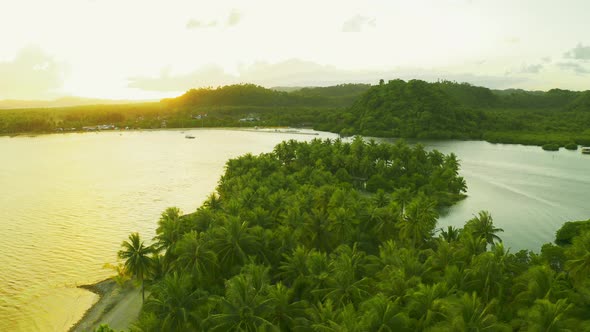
459, 110
61, 102
411, 109
287, 88
254, 95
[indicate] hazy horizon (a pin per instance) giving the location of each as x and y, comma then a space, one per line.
137, 50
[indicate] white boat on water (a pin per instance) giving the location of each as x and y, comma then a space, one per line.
189, 136
586, 150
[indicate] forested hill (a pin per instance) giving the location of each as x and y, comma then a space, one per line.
253, 95
411, 109
459, 110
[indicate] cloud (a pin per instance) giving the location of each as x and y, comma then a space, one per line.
210, 75
296, 72
530, 69
357, 23
580, 52
512, 40
32, 74
234, 18
196, 24
574, 66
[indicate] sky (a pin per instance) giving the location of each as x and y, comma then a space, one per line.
151, 49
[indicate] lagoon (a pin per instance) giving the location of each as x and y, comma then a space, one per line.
67, 202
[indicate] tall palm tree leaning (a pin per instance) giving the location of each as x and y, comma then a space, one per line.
137, 261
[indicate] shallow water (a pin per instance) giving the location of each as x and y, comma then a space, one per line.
68, 201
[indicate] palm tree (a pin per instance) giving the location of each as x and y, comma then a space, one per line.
419, 221
233, 242
175, 302
381, 314
426, 305
244, 307
550, 317
347, 282
195, 255
579, 265
286, 311
468, 313
294, 265
451, 234
482, 226
137, 260
402, 196
168, 231
538, 282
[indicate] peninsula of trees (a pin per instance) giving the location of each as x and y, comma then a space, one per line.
334, 236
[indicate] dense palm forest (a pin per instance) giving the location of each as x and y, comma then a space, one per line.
335, 236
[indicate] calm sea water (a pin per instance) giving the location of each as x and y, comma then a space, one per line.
68, 201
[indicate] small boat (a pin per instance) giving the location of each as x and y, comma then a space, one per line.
189, 136
586, 150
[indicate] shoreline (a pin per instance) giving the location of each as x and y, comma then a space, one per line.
103, 289
283, 130
117, 306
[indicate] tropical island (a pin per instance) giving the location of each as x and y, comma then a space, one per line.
336, 236
412, 109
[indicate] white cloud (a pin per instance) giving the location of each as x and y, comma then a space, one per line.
31, 74
358, 23
580, 52
295, 72
196, 24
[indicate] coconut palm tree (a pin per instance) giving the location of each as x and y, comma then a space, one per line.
482, 226
451, 234
402, 196
168, 231
243, 308
137, 259
194, 255
419, 221
175, 301
426, 305
579, 264
381, 314
286, 311
468, 313
233, 242
550, 317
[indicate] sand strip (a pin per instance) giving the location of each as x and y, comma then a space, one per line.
118, 307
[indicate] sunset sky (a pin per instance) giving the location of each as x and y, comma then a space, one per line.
132, 49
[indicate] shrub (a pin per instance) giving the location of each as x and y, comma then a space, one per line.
551, 147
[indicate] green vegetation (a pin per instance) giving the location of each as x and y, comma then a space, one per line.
445, 110
551, 147
334, 236
571, 146
413, 109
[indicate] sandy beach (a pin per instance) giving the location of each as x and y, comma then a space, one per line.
118, 307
